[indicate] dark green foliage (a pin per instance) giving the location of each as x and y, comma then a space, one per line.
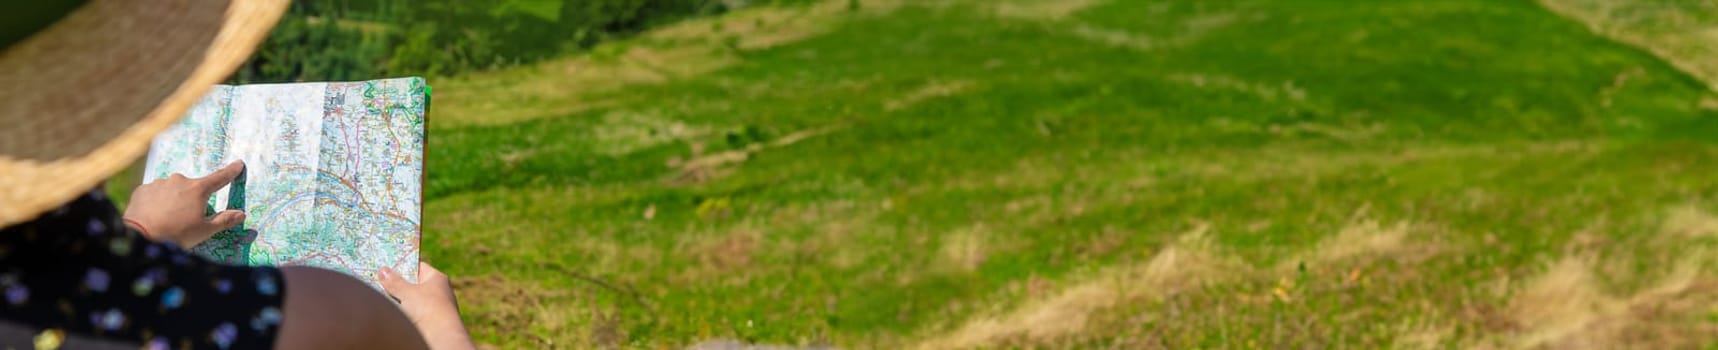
314, 43
367, 39
20, 19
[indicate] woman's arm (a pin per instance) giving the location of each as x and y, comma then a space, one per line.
171, 209
431, 306
329, 310
322, 309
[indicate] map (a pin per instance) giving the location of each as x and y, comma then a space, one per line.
333, 172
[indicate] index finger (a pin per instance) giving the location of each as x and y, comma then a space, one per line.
220, 177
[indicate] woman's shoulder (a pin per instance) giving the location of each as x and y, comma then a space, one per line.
79, 271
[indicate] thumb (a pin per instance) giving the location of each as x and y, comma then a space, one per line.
424, 269
225, 219
391, 281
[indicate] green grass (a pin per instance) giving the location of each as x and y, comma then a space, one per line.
1067, 146
966, 163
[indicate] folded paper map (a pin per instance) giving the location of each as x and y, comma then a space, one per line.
333, 172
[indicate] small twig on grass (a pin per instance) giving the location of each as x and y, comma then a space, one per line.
623, 290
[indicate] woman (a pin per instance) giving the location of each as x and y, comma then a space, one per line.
84, 86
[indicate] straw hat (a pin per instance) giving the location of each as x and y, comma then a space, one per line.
81, 98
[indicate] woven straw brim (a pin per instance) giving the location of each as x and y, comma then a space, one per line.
80, 100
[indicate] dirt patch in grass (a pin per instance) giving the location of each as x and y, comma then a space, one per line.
729, 252
493, 304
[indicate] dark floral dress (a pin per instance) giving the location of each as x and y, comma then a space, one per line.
79, 277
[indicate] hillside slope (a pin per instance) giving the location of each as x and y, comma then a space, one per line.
1103, 173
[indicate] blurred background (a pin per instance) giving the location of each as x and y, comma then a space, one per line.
322, 40
1056, 173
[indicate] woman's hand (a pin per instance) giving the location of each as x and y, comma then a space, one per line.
172, 209
430, 305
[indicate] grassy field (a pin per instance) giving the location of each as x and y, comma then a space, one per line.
1086, 173
1020, 173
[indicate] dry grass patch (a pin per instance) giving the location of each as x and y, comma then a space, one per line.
1569, 307
1638, 292
1187, 263
932, 90
1114, 306
1423, 336
1563, 306
1365, 238
769, 26
1193, 29
728, 252
965, 250
624, 132
684, 50
1120, 38
567, 86
1043, 9
1284, 91
701, 167
1689, 221
1683, 33
499, 305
